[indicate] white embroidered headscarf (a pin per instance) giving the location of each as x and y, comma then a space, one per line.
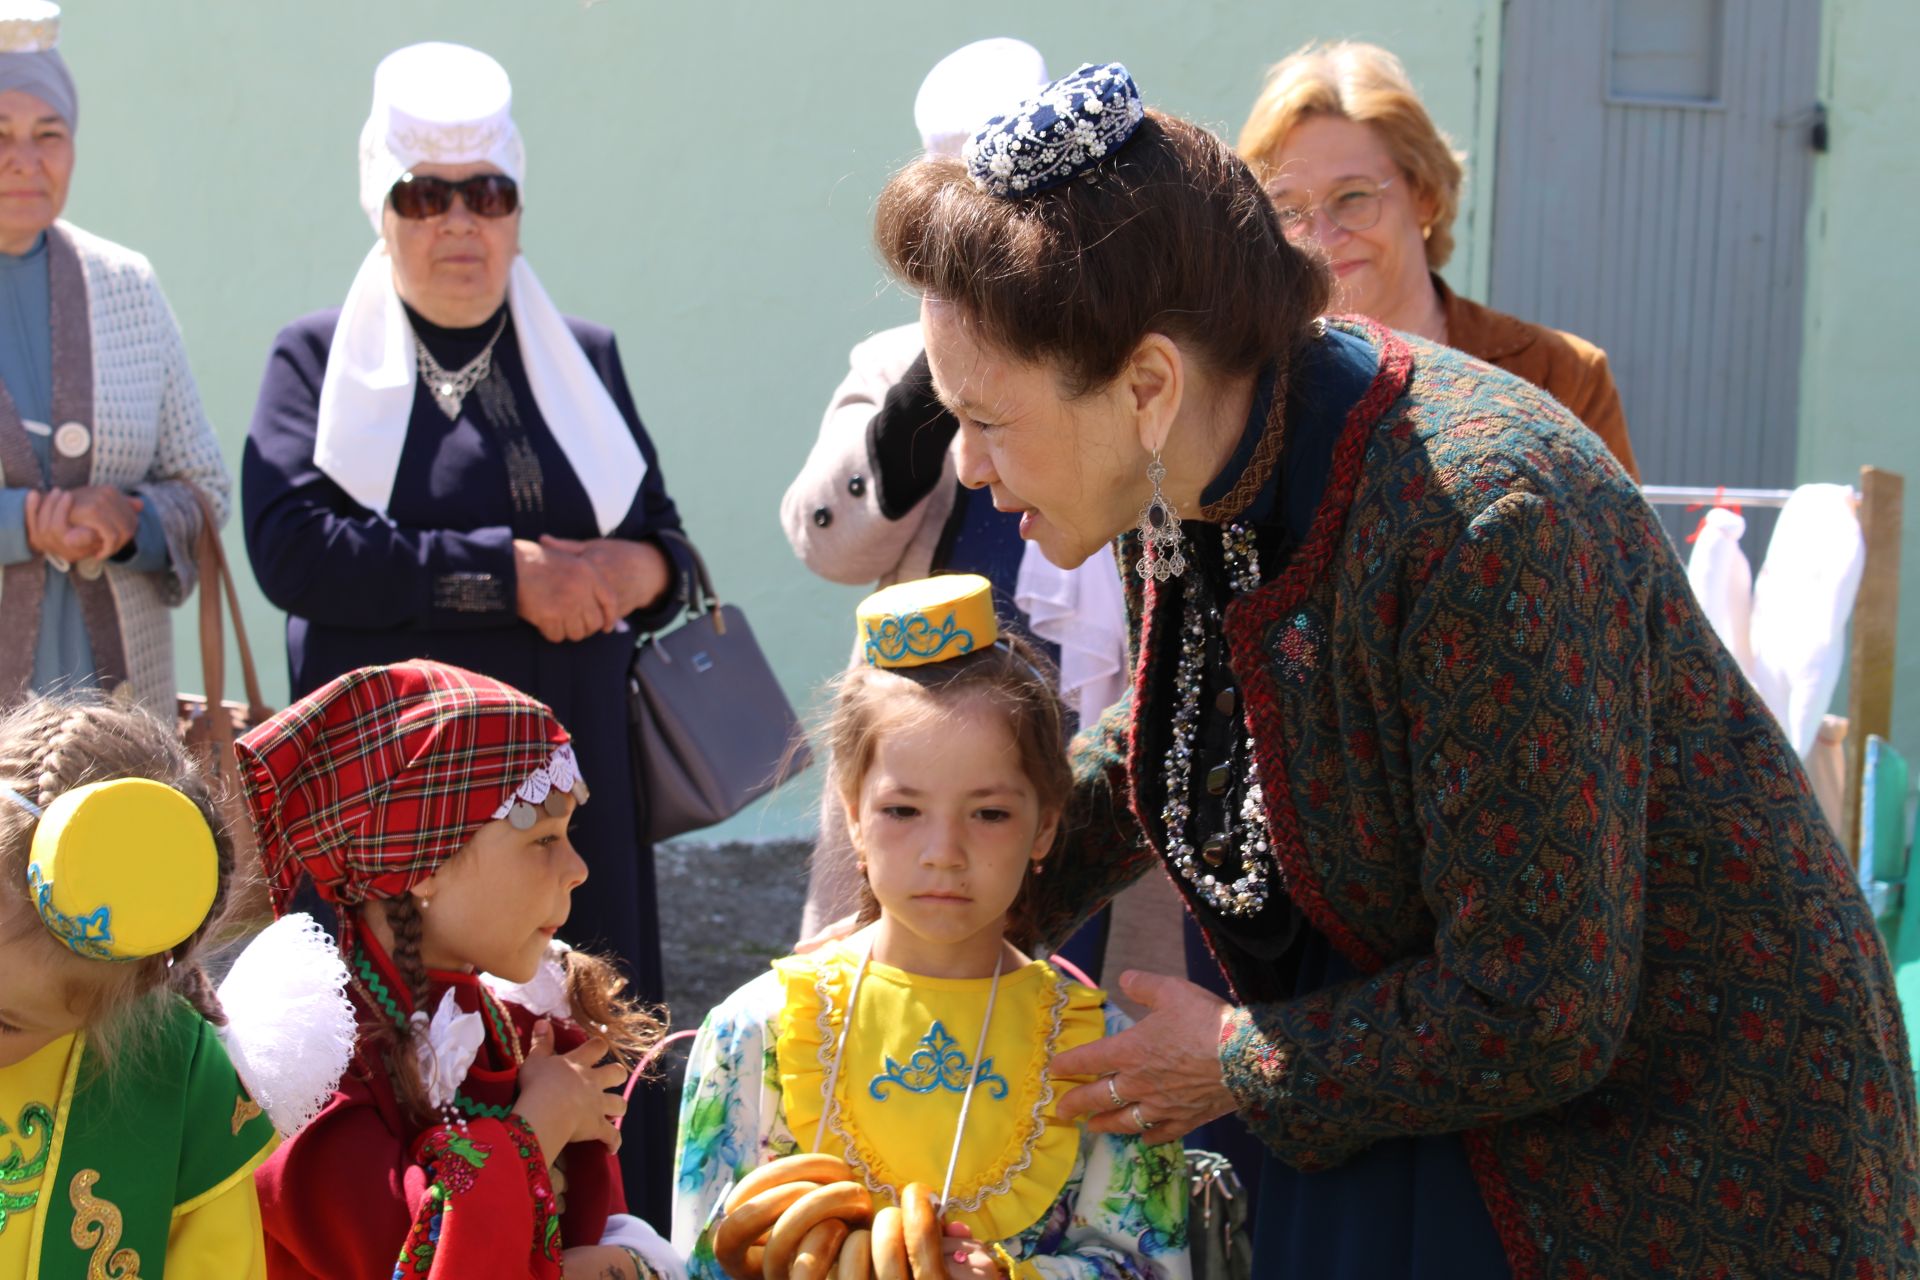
448, 104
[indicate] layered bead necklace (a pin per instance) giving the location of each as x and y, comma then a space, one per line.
1232, 869
366, 980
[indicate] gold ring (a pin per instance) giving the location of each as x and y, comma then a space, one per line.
1144, 1123
1114, 1093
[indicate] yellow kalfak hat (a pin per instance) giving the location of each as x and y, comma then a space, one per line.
928, 620
123, 869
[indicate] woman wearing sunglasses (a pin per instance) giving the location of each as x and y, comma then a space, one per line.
1358, 172
446, 467
104, 446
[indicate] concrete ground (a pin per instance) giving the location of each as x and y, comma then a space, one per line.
726, 910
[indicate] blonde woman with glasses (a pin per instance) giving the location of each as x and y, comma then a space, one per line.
1359, 174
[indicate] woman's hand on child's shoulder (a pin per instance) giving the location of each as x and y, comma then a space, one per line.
563, 1097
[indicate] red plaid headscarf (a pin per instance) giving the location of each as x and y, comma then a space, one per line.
372, 781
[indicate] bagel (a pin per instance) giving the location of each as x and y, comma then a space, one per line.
747, 1226
819, 1249
889, 1245
921, 1223
856, 1256
808, 1167
841, 1201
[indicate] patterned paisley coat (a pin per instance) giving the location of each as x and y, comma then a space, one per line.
1514, 778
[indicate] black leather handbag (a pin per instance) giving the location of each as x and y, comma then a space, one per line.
712, 728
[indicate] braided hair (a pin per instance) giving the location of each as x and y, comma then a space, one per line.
52, 745
399, 1043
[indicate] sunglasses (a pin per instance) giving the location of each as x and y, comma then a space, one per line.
486, 195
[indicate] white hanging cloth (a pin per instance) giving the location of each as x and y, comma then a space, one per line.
1787, 628
1722, 580
1802, 599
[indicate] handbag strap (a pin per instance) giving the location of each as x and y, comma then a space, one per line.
216, 579
708, 599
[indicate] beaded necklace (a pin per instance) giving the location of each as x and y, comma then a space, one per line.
1205, 867
374, 992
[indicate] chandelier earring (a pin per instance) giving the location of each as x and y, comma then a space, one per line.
1160, 530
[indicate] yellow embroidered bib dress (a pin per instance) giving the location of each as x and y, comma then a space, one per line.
1037, 1184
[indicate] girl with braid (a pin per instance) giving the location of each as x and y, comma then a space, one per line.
474, 1133
127, 1139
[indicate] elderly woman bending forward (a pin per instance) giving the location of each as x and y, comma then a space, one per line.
1544, 961
105, 451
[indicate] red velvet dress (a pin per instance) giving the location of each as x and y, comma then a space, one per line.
364, 1192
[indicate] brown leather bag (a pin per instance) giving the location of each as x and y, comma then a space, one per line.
208, 724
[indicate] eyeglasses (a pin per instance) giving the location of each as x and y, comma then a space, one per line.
486, 195
1354, 206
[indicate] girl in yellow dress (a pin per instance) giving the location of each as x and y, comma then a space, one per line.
918, 1048
127, 1141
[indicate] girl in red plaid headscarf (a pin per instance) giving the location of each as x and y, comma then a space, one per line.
474, 1134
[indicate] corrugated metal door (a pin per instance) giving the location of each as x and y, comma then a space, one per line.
1651, 195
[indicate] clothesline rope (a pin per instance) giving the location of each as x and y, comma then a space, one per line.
1676, 495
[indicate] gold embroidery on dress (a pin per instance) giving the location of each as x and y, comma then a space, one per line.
244, 1109
96, 1226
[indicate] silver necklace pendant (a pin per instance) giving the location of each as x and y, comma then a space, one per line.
450, 389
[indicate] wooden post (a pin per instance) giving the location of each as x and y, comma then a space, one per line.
1876, 619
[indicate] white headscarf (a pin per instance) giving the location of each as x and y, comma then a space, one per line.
448, 104
971, 85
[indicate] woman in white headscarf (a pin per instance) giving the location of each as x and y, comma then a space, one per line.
448, 468
105, 450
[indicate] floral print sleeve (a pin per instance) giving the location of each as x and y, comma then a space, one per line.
729, 1116
1121, 1216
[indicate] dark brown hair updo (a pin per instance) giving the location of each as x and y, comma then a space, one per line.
1011, 676
1170, 234
49, 746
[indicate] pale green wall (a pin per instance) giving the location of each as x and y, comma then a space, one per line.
1860, 390
701, 178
